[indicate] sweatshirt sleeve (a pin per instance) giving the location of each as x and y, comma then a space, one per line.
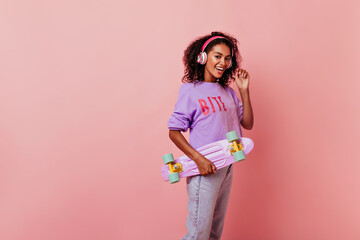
182, 116
238, 104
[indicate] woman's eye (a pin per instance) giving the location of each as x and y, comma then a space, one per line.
217, 56
228, 59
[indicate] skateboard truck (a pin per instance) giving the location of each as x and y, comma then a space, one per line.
236, 149
174, 168
177, 167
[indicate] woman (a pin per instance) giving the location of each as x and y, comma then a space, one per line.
210, 109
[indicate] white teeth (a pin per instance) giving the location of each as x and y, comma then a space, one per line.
221, 69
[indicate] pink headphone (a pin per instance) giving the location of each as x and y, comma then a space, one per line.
202, 57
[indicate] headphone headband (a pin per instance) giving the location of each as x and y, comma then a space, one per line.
209, 40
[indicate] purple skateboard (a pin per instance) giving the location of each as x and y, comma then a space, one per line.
222, 153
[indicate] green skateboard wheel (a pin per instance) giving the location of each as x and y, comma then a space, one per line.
231, 136
168, 158
238, 156
174, 177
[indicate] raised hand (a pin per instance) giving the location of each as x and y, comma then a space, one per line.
242, 79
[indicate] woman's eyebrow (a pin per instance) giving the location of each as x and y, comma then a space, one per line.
221, 54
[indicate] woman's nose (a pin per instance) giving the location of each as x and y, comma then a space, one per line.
222, 60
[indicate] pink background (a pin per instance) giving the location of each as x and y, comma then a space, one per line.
86, 88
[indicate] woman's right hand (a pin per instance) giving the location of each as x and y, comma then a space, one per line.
205, 166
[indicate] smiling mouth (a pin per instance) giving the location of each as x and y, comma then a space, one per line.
219, 69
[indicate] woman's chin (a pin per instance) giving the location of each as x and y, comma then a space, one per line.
218, 75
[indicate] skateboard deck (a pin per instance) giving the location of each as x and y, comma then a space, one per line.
221, 153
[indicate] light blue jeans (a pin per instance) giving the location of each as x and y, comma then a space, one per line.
208, 197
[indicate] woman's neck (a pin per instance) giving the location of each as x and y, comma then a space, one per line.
208, 77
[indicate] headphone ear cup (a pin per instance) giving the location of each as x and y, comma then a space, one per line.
230, 64
202, 58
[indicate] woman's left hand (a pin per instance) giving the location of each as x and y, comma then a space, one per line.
242, 79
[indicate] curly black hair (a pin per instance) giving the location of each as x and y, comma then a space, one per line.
194, 71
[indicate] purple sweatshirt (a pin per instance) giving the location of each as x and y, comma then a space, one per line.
209, 110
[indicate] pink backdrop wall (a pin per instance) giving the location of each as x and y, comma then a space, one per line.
86, 88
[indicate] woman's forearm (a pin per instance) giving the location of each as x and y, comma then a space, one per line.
180, 141
248, 117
